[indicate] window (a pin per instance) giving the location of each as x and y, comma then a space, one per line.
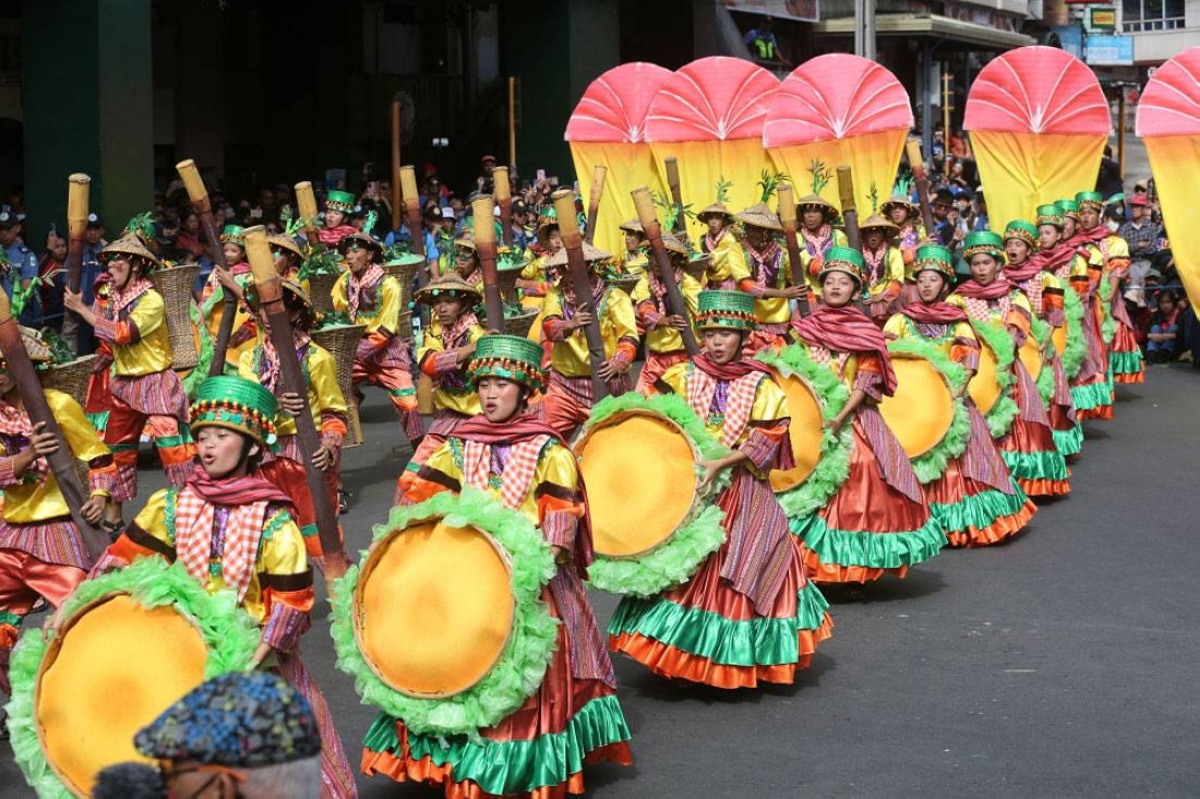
1152, 15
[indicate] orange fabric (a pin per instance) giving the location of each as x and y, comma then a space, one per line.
865, 502
821, 573
1101, 413
655, 367
1045, 488
951, 487
289, 476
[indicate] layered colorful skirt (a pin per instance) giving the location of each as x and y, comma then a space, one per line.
1125, 357
1092, 390
1028, 448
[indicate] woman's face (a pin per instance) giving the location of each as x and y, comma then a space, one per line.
716, 223
838, 289
120, 269
930, 285
984, 268
1089, 217
1069, 227
357, 258
7, 384
1166, 304
220, 451
898, 214
1049, 236
465, 260
191, 223
555, 240
233, 253
58, 248
334, 218
448, 308
1017, 251
499, 398
873, 238
812, 217
722, 345
632, 240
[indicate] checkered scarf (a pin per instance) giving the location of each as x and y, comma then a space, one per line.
120, 299
199, 539
370, 276
516, 477
702, 390
16, 431
267, 367
765, 265
817, 243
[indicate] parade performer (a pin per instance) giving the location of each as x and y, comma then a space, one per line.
664, 343
976, 499
725, 255
237, 279
97, 401
466, 262
284, 467
369, 296
574, 716
765, 277
449, 344
338, 207
906, 216
748, 614
817, 216
569, 397
635, 260
878, 521
144, 387
288, 257
535, 279
42, 553
1125, 356
884, 267
1033, 272
235, 531
994, 304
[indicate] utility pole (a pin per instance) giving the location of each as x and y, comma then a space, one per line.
864, 28
946, 109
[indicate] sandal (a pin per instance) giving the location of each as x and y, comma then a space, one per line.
114, 529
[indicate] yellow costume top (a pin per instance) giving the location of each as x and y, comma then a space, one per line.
246, 331
325, 398
767, 310
664, 339
381, 315
617, 322
638, 263
726, 258
138, 335
956, 343
452, 391
885, 286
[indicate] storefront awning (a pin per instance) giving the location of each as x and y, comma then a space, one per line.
934, 25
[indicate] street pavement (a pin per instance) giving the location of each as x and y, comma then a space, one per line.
1060, 664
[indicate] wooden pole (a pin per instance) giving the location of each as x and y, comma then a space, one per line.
190, 176
672, 165
412, 208
946, 121
568, 228
512, 123
29, 387
594, 197
485, 246
396, 162
850, 220
666, 272
306, 203
916, 161
270, 296
787, 216
78, 191
502, 192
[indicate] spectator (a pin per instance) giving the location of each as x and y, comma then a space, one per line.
979, 213
1144, 237
1163, 340
764, 47
485, 183
52, 271
944, 228
22, 263
1108, 182
190, 245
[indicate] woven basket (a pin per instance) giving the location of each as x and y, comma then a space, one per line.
72, 377
320, 291
626, 283
342, 343
404, 273
406, 328
520, 324
175, 286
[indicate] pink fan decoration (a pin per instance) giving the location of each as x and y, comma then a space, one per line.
711, 99
1037, 90
836, 96
1170, 105
613, 109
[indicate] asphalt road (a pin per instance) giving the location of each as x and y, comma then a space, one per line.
1060, 664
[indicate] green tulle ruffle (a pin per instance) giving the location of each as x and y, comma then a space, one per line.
531, 643
931, 465
1125, 363
512, 767
229, 633
757, 641
979, 510
834, 464
1048, 465
997, 339
870, 549
701, 534
1069, 442
1076, 348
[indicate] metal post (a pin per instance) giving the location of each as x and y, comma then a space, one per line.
927, 91
864, 28
1121, 130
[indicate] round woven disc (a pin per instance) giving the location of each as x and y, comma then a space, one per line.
921, 410
1031, 355
116, 667
641, 481
434, 608
984, 389
804, 431
1059, 337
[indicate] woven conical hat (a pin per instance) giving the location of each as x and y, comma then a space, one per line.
714, 209
761, 216
591, 255
877, 221
130, 245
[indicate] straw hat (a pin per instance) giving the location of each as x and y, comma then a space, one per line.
761, 216
633, 226
360, 239
876, 221
287, 243
899, 200
716, 209
674, 245
547, 222
817, 201
131, 246
450, 284
39, 351
591, 255
466, 241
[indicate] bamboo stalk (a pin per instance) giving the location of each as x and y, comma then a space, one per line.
916, 161
568, 228
396, 163
596, 194
306, 203
787, 215
200, 201
485, 246
502, 192
666, 272
412, 208
78, 191
672, 165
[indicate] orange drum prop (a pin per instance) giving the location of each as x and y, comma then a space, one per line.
1031, 356
985, 388
922, 409
805, 431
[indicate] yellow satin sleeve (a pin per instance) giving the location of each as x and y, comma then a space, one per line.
570, 356
728, 260
893, 271
339, 293
151, 353
535, 269
466, 402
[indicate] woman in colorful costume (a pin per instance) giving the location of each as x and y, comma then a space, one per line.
535, 277
1033, 272
574, 716
42, 553
569, 399
1091, 388
636, 259
288, 257
370, 296
817, 233
765, 277
664, 342
338, 207
989, 299
878, 521
976, 499
237, 280
906, 216
145, 389
748, 614
1125, 355
725, 254
884, 265
284, 468
231, 530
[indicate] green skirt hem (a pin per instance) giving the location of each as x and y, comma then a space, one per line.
1049, 465
980, 510
870, 549
1069, 442
1125, 363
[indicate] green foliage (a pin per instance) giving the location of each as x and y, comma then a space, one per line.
820, 175
723, 187
770, 183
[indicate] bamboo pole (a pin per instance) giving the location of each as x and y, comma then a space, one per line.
916, 161
672, 165
666, 272
396, 162
306, 203
577, 273
502, 192
787, 216
594, 197
485, 246
198, 195
78, 191
512, 123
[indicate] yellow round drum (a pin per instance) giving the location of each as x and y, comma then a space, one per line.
434, 608
640, 471
921, 410
984, 388
1031, 356
1059, 337
805, 431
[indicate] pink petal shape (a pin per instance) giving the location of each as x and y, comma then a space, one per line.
711, 99
613, 109
835, 96
1037, 90
1170, 105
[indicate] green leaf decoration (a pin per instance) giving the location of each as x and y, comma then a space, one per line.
821, 175
873, 196
142, 226
769, 183
723, 187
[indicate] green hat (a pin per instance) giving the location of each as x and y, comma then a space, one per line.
731, 310
1090, 198
1022, 231
983, 242
934, 258
130, 245
1050, 215
513, 358
238, 404
340, 201
846, 260
235, 234
1069, 208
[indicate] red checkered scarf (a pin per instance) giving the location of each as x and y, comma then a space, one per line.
268, 366
457, 336
978, 298
16, 428
743, 378
246, 499
356, 286
120, 299
658, 290
847, 329
817, 243
711, 241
